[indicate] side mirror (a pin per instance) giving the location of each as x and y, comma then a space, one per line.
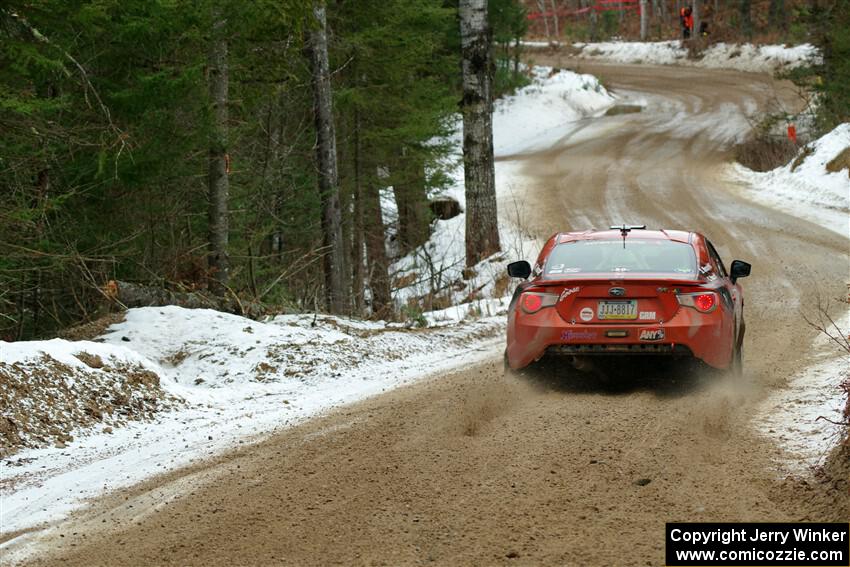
739, 269
521, 269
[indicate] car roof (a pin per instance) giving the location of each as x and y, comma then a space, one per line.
635, 234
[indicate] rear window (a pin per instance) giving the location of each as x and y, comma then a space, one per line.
605, 256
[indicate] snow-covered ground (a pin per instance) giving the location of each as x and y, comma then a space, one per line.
742, 57
803, 187
791, 414
536, 116
543, 112
237, 379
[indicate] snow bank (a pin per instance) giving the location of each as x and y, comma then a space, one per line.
51, 390
235, 379
536, 116
791, 414
541, 113
741, 57
804, 187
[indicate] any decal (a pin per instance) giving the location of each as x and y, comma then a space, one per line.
647, 316
567, 292
586, 314
652, 335
577, 335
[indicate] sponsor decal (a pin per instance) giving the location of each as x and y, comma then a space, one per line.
568, 292
652, 334
586, 314
577, 335
647, 316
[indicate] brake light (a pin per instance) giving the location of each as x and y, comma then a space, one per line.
533, 302
702, 302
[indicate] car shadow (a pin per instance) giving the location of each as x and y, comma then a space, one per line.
663, 377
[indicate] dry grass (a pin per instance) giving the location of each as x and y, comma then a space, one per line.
841, 161
763, 153
798, 161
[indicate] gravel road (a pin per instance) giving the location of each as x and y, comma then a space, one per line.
477, 468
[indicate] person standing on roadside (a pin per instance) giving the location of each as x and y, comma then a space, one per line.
686, 18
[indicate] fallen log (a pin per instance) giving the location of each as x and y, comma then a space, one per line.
137, 295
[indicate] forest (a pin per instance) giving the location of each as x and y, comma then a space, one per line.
183, 145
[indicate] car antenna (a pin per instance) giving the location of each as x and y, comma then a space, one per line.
626, 229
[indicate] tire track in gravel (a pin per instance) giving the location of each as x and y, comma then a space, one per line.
478, 468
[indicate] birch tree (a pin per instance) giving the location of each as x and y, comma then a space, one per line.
482, 229
745, 8
644, 19
218, 259
334, 255
541, 5
695, 32
555, 20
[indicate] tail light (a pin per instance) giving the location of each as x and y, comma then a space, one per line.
705, 302
533, 302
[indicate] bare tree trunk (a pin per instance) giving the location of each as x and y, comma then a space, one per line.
376, 253
482, 224
746, 18
358, 275
409, 188
218, 259
555, 20
644, 19
137, 295
695, 32
541, 5
336, 294
592, 18
776, 14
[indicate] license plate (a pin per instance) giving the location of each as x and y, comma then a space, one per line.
618, 310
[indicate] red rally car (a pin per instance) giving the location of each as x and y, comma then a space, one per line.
627, 291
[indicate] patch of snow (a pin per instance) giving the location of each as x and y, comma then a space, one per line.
239, 379
790, 415
741, 57
552, 107
242, 378
807, 190
543, 112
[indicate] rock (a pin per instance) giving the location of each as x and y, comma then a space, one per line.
90, 360
512, 554
643, 481
444, 208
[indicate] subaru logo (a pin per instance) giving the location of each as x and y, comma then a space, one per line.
617, 291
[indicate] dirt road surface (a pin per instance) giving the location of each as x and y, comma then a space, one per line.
477, 468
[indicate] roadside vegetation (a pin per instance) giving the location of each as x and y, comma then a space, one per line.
174, 145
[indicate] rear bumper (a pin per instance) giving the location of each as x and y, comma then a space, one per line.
607, 349
707, 337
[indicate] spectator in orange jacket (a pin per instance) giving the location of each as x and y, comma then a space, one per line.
686, 17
